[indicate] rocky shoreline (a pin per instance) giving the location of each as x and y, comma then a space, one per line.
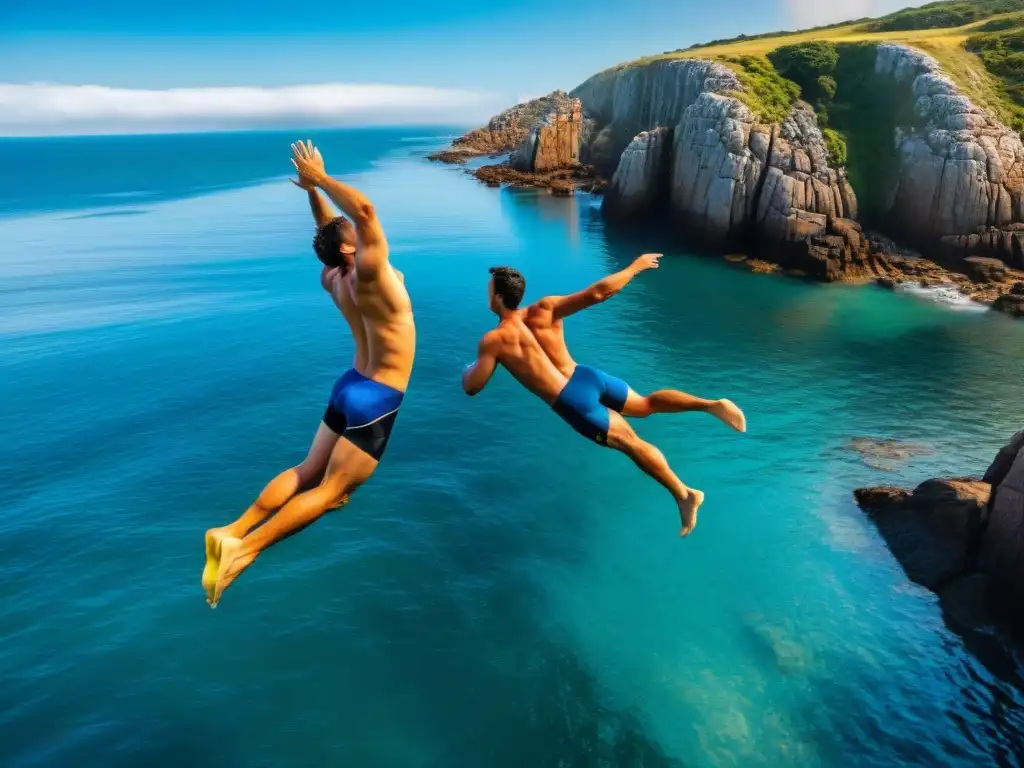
835, 250
670, 144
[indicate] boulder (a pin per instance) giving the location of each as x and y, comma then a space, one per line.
931, 530
962, 538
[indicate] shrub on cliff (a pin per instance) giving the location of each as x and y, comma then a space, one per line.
812, 66
766, 92
836, 145
1003, 55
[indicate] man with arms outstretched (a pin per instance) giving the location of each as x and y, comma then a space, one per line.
544, 318
513, 345
364, 402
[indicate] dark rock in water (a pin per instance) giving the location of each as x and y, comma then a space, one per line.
562, 182
962, 538
930, 531
984, 270
1010, 303
453, 156
965, 601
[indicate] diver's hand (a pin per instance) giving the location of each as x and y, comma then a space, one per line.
309, 163
303, 183
647, 261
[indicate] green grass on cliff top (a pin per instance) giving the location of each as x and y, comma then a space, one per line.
948, 45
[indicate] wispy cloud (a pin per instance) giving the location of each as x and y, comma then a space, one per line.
48, 109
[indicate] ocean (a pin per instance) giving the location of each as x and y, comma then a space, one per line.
501, 593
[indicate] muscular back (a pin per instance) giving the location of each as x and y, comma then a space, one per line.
550, 334
520, 352
379, 313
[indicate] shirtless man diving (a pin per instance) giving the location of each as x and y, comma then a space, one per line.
364, 403
513, 345
544, 318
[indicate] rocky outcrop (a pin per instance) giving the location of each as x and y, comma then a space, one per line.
733, 177
676, 140
626, 101
553, 143
506, 131
960, 169
562, 182
962, 538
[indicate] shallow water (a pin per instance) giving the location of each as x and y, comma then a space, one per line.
501, 593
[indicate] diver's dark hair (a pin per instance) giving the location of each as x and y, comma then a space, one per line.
329, 239
510, 285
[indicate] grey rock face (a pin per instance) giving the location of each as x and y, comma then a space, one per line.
638, 180
961, 170
728, 172
627, 101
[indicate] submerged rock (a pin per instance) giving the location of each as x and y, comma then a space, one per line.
882, 453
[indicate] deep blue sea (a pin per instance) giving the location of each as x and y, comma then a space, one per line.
502, 593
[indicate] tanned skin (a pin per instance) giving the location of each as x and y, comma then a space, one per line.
545, 319
371, 296
513, 345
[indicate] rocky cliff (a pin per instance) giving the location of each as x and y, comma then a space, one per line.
962, 538
961, 171
678, 142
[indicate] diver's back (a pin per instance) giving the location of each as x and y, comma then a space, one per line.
526, 360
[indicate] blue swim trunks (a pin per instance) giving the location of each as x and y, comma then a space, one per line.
363, 411
585, 401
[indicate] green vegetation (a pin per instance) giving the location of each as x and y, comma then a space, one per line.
812, 66
767, 93
1013, 21
943, 15
866, 110
835, 142
1003, 55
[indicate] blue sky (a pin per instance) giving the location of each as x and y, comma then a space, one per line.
474, 56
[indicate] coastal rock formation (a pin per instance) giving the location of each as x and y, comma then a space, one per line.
960, 169
626, 101
553, 143
733, 177
506, 131
678, 141
641, 178
962, 538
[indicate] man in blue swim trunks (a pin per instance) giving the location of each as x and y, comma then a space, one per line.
364, 402
544, 318
513, 345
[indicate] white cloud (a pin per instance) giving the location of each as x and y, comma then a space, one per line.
801, 14
47, 108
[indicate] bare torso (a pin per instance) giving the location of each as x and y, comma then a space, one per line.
522, 355
379, 313
550, 334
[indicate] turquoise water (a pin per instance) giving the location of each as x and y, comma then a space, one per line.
501, 593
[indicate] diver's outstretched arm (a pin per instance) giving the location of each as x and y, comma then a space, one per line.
372, 249
602, 290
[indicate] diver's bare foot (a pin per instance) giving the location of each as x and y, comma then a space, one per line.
214, 537
729, 412
233, 560
688, 511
